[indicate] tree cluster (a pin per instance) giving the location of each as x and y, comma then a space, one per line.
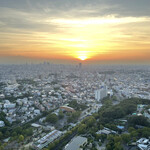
77, 106
73, 117
52, 118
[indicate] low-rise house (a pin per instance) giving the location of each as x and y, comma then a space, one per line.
76, 143
48, 138
106, 131
140, 107
37, 112
143, 144
41, 120
2, 124
35, 125
2, 96
9, 105
11, 119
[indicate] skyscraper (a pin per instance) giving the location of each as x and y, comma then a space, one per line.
80, 65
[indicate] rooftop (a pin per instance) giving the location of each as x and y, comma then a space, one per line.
76, 143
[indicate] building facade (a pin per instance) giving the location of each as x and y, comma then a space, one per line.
101, 93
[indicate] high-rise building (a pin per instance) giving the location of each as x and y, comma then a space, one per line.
101, 93
80, 65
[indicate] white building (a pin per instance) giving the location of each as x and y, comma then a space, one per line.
2, 124
9, 105
147, 115
76, 143
49, 138
101, 93
2, 96
106, 131
143, 144
37, 112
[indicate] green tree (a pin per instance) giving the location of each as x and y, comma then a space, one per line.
138, 120
81, 128
29, 132
7, 134
103, 137
52, 118
18, 130
74, 116
90, 121
51, 146
134, 139
134, 133
1, 147
125, 137
131, 129
101, 127
108, 103
118, 146
60, 115
108, 147
1, 135
110, 137
14, 134
5, 144
21, 138
117, 139
146, 132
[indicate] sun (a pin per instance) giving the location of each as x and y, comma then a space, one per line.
82, 57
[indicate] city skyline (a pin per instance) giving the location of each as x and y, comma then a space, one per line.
72, 31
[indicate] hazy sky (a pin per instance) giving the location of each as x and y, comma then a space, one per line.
63, 30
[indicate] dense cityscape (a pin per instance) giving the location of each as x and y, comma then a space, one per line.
90, 107
74, 74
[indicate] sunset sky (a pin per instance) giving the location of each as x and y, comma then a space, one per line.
71, 30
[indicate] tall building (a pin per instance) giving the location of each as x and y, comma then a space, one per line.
101, 93
80, 65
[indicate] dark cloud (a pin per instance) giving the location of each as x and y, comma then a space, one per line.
29, 14
124, 7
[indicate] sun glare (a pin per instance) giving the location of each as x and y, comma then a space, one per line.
82, 57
